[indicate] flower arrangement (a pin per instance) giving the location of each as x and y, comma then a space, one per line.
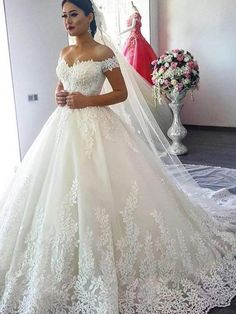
174, 72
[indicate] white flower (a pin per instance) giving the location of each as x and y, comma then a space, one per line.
174, 82
168, 74
168, 58
186, 81
178, 72
167, 65
187, 58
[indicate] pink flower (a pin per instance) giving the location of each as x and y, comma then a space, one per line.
176, 50
166, 83
191, 64
187, 73
180, 87
174, 65
154, 62
155, 81
180, 57
162, 57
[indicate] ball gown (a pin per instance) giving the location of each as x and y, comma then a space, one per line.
137, 50
92, 223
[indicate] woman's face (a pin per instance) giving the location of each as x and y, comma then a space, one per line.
75, 20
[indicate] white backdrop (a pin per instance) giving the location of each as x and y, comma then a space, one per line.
207, 29
117, 13
9, 155
36, 35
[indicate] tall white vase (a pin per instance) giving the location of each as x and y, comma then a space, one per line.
177, 131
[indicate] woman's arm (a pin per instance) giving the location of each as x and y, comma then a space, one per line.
59, 87
119, 90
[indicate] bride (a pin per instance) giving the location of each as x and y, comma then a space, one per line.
94, 220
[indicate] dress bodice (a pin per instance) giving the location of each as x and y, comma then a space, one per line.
86, 77
138, 23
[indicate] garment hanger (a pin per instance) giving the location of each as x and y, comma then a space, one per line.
134, 6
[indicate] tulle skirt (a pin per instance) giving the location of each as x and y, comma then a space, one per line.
92, 223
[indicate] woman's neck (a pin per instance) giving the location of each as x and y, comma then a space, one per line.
83, 40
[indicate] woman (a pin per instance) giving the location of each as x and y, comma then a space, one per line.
87, 48
92, 222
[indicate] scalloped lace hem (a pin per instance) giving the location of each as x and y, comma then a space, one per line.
142, 296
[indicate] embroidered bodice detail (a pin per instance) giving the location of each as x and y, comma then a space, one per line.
86, 77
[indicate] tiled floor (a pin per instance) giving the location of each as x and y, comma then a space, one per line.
210, 146
227, 310
215, 147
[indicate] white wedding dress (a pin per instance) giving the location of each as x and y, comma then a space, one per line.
92, 223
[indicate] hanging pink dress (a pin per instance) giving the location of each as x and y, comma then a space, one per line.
137, 50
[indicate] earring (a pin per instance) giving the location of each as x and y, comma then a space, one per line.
89, 30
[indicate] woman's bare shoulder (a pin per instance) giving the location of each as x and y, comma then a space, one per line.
65, 50
103, 52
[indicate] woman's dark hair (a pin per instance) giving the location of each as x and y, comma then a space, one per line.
86, 6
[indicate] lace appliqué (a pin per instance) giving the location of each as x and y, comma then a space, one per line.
110, 64
92, 271
85, 77
12, 218
129, 245
64, 114
96, 121
48, 251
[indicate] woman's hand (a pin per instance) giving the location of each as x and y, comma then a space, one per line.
61, 97
77, 101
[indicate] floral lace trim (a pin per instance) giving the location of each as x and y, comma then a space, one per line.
64, 115
136, 281
93, 121
110, 64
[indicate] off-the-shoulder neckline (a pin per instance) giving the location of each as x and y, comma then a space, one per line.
78, 61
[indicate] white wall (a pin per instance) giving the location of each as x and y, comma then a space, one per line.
9, 157
36, 35
117, 13
207, 29
154, 24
